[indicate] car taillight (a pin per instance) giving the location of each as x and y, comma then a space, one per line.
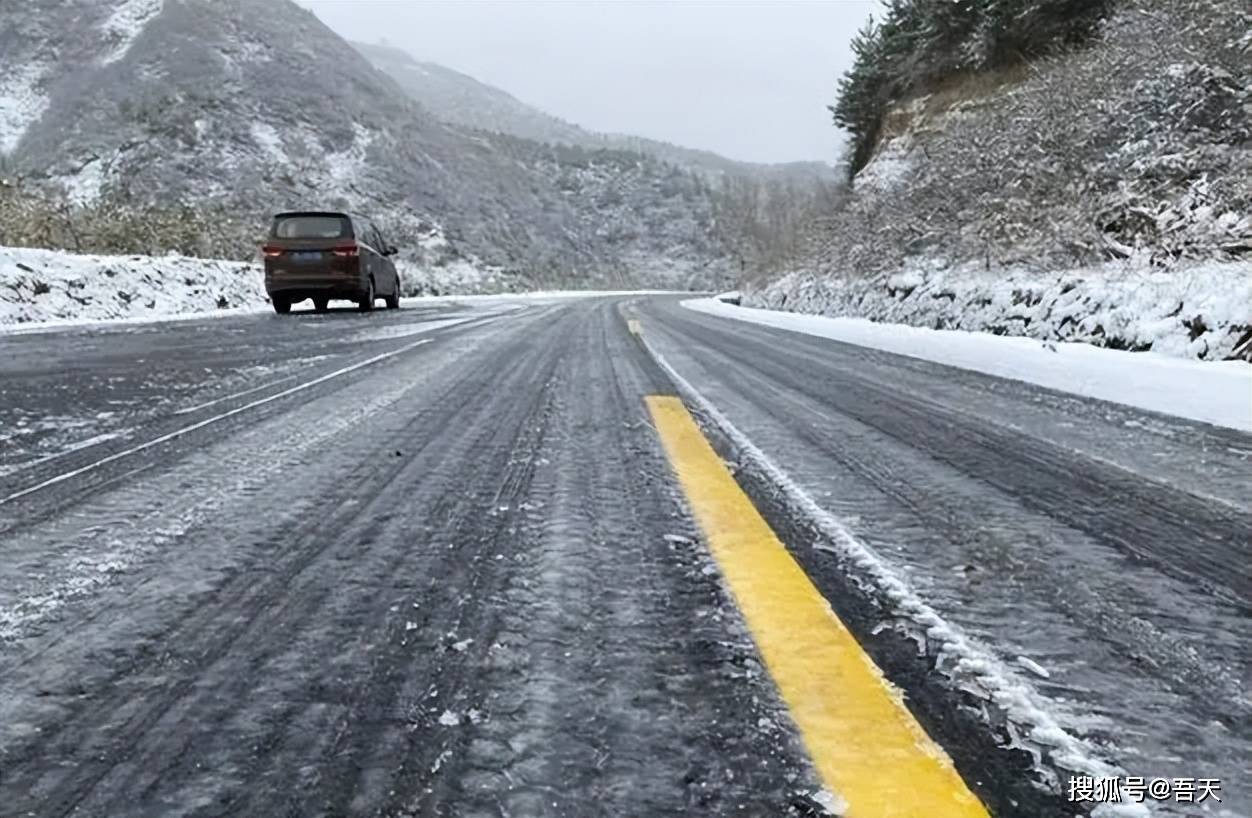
271, 252
349, 249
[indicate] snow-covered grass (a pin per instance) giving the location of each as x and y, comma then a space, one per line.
21, 102
1217, 392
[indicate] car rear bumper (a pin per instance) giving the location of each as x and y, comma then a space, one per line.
298, 287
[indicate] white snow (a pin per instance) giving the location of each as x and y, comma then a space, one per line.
126, 23
449, 719
21, 102
345, 166
888, 168
1034, 667
267, 139
83, 187
966, 663
830, 802
40, 289
1217, 392
44, 286
1193, 311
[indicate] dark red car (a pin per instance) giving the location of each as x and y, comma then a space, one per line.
325, 256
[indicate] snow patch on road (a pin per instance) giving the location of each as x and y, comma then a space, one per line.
1216, 392
966, 664
94, 440
21, 102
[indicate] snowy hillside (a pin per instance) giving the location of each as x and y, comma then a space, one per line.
1099, 192
146, 126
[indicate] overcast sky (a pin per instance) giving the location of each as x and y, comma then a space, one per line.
746, 78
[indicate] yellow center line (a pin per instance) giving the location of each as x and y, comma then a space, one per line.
865, 744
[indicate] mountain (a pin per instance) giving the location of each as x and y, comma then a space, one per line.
460, 99
199, 117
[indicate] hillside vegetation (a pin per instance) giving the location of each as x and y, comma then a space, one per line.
994, 140
920, 45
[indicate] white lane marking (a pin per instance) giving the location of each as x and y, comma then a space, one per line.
207, 404
408, 329
60, 478
74, 447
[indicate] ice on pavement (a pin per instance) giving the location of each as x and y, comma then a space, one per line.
966, 663
1216, 392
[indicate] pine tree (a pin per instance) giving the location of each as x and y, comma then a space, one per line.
919, 43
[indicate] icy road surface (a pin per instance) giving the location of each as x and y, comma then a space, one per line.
434, 562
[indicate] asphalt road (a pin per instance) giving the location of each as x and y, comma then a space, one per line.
435, 562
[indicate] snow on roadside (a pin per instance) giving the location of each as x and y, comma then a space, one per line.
1202, 311
47, 288
1217, 392
46, 285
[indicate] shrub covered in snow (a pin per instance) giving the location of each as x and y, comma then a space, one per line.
1204, 311
1139, 144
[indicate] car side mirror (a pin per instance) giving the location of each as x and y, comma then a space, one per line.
392, 249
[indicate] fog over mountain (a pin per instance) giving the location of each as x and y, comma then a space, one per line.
744, 79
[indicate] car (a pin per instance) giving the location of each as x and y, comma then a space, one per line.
325, 255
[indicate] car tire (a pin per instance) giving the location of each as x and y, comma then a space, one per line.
320, 304
393, 300
281, 305
367, 303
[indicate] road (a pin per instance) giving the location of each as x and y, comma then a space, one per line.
437, 562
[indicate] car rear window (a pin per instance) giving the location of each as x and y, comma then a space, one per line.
312, 227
